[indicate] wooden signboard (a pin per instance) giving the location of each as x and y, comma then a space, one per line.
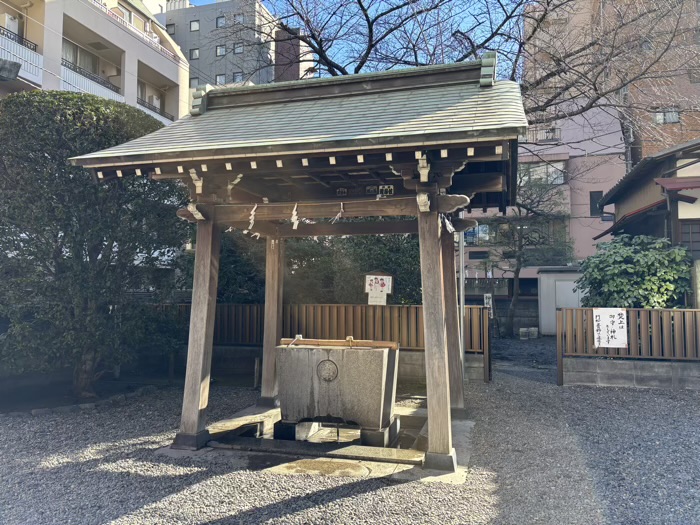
378, 287
610, 327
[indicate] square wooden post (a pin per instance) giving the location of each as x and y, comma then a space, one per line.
440, 454
455, 359
273, 319
193, 433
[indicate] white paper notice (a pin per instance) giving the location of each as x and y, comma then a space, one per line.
610, 327
378, 287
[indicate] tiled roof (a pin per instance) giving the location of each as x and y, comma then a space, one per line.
345, 115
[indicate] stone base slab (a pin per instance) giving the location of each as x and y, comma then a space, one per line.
191, 441
641, 373
444, 462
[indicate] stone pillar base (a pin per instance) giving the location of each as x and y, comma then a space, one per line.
458, 413
271, 402
191, 441
383, 437
446, 462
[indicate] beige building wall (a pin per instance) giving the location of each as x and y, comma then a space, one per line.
130, 61
595, 173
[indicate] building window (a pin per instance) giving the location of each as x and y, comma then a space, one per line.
141, 90
690, 237
220, 79
220, 21
238, 76
238, 18
543, 172
170, 28
80, 57
194, 54
194, 82
479, 235
194, 25
238, 48
220, 51
538, 135
595, 197
670, 115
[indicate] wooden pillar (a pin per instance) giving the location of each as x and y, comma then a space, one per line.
273, 319
440, 452
455, 359
193, 434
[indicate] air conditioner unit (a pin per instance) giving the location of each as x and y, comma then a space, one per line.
9, 22
154, 100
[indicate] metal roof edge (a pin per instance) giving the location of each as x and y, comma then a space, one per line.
643, 166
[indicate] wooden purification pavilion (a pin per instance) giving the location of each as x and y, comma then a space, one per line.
272, 160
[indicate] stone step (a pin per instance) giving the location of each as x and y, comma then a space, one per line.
333, 450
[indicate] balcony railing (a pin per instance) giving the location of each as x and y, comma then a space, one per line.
540, 135
17, 49
87, 74
16, 38
146, 38
155, 109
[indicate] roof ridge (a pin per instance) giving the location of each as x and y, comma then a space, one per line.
481, 71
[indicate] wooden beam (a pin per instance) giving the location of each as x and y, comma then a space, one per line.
450, 203
461, 225
348, 342
272, 318
455, 359
436, 368
326, 229
193, 433
388, 207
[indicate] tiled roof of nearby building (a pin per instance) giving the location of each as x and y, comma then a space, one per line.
645, 167
455, 102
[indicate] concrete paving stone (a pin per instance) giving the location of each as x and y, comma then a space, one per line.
653, 367
581, 378
653, 381
624, 366
686, 369
580, 364
66, 409
616, 379
687, 383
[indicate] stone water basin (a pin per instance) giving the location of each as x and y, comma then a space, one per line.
349, 384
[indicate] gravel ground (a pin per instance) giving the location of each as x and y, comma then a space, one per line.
539, 353
542, 455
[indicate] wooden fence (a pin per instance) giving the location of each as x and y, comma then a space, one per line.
651, 334
242, 324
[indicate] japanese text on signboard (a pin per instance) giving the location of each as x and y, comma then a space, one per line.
610, 327
378, 287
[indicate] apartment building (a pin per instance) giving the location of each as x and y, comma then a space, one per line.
233, 41
115, 49
581, 158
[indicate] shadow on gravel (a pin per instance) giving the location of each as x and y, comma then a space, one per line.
295, 504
